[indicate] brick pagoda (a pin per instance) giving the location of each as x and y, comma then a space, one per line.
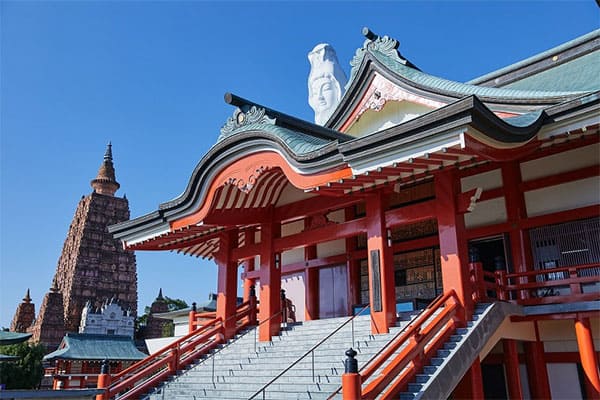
24, 316
92, 266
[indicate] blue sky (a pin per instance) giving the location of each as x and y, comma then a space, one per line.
150, 77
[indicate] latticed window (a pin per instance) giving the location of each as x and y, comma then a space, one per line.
567, 244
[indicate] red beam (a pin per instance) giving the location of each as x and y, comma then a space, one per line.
489, 194
410, 214
561, 216
238, 216
478, 169
324, 234
247, 251
407, 245
562, 147
553, 180
311, 206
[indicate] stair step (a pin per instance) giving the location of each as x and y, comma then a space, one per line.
462, 331
415, 387
443, 353
455, 338
430, 369
450, 345
437, 361
243, 366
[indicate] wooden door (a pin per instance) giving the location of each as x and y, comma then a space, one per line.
333, 292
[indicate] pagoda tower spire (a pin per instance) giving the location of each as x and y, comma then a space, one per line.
24, 315
106, 182
27, 298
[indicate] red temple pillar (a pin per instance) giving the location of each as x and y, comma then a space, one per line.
353, 265
471, 385
270, 282
516, 210
249, 239
381, 267
537, 372
589, 358
227, 282
311, 286
453, 240
511, 366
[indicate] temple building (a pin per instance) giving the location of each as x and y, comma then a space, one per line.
110, 319
477, 203
155, 326
93, 268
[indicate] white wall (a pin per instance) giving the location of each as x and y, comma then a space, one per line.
560, 162
486, 180
570, 195
486, 213
563, 380
392, 114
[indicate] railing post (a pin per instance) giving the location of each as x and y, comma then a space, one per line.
283, 308
104, 381
575, 287
351, 379
252, 302
501, 283
477, 278
173, 364
192, 319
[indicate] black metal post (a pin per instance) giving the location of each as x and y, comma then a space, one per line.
283, 307
351, 364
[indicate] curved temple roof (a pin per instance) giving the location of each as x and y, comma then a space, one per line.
260, 150
380, 55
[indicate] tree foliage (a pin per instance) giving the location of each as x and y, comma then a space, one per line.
27, 371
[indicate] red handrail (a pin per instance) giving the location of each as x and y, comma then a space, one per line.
156, 368
563, 284
425, 335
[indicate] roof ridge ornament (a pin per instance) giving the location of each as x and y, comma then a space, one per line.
384, 45
241, 119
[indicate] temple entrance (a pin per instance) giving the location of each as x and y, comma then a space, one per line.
333, 292
492, 252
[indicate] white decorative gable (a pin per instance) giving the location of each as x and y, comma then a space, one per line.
380, 95
110, 319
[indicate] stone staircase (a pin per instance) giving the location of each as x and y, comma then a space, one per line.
242, 368
444, 372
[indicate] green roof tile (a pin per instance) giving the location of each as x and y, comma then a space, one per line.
77, 346
580, 74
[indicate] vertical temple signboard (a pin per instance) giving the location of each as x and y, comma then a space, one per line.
376, 274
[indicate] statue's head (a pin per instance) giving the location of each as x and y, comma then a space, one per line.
325, 82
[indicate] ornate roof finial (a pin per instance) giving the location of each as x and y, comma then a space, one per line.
108, 152
369, 34
27, 298
160, 295
105, 182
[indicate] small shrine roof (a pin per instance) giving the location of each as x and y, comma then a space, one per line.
75, 346
7, 338
4, 357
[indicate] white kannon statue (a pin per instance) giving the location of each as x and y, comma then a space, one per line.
326, 82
